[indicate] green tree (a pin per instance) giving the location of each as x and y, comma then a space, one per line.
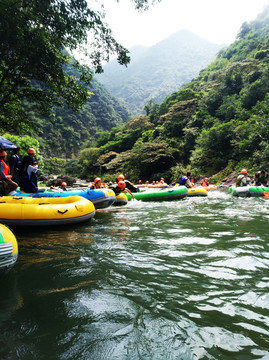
88, 161
213, 148
34, 37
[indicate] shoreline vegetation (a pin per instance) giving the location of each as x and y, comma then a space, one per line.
215, 125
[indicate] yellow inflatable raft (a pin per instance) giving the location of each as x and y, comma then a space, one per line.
197, 191
25, 211
8, 249
121, 199
207, 188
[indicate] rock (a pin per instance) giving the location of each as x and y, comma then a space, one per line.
230, 179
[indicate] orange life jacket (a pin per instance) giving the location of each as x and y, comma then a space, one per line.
6, 170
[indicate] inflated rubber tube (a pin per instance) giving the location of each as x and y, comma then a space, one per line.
174, 193
8, 249
28, 211
247, 191
121, 199
101, 198
197, 192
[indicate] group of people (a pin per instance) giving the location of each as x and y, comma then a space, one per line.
18, 172
23, 173
160, 182
260, 178
120, 185
187, 181
123, 185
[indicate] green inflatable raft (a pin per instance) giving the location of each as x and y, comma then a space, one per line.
161, 195
247, 191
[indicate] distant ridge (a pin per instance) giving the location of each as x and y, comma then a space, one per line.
159, 70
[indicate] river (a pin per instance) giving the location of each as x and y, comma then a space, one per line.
184, 280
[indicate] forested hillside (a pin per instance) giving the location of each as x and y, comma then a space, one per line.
66, 133
157, 71
218, 122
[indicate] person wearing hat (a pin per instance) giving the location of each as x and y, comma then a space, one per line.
128, 183
120, 187
63, 186
8, 186
242, 179
31, 153
97, 184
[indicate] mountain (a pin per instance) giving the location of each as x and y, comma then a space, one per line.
155, 72
215, 124
67, 132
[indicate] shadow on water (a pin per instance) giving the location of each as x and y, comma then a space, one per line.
183, 280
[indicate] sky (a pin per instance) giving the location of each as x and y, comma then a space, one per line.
218, 21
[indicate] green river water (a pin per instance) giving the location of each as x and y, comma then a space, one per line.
185, 280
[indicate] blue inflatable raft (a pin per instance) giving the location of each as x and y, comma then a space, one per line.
101, 198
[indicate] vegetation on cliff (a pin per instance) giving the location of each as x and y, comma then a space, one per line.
35, 36
219, 121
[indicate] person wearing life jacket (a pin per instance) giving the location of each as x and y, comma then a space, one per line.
120, 187
97, 184
260, 178
128, 184
28, 175
242, 179
263, 177
63, 186
8, 186
186, 180
15, 165
205, 182
31, 153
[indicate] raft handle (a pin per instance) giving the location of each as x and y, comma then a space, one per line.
62, 212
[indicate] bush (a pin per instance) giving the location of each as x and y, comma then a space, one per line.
54, 165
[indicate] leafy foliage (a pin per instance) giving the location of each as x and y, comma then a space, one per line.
34, 37
216, 123
24, 143
69, 132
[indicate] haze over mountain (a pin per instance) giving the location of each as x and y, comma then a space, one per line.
155, 72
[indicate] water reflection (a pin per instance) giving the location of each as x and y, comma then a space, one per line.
174, 280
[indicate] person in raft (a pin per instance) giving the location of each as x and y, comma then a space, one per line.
15, 165
260, 178
128, 183
186, 180
29, 173
63, 186
205, 182
120, 187
31, 153
8, 186
97, 184
242, 179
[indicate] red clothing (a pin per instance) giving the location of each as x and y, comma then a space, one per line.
6, 171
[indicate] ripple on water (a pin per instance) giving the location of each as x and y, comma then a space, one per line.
183, 280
